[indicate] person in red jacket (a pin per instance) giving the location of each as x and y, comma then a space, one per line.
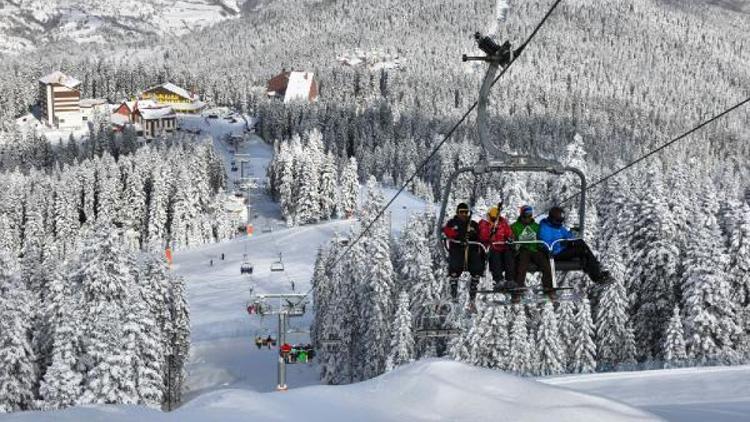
463, 256
495, 233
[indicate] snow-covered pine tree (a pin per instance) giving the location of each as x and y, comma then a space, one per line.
655, 264
710, 320
568, 332
18, 374
322, 286
349, 183
104, 277
285, 181
328, 189
548, 345
142, 347
675, 354
308, 199
402, 339
519, 359
109, 378
739, 272
583, 358
61, 384
612, 315
489, 342
179, 341
157, 210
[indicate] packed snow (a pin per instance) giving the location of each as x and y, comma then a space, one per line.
717, 394
428, 390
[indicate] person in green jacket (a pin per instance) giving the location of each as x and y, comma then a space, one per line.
525, 229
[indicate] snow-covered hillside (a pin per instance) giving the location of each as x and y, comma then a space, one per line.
717, 394
26, 24
425, 391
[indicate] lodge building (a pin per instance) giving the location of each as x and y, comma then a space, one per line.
59, 100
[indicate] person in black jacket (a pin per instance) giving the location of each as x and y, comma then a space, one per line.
463, 256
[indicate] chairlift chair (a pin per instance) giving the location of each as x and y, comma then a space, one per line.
246, 267
278, 265
436, 321
498, 161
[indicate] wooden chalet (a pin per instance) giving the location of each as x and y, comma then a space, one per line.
293, 86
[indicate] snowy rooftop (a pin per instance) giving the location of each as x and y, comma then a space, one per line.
182, 92
60, 78
156, 113
298, 87
119, 119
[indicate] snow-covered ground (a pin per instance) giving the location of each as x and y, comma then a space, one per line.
429, 390
716, 394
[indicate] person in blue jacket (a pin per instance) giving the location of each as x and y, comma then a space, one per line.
552, 229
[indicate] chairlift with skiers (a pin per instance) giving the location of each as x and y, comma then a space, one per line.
246, 267
497, 161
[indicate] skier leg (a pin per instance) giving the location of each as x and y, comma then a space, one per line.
476, 269
495, 262
455, 268
522, 266
542, 261
454, 286
509, 267
591, 266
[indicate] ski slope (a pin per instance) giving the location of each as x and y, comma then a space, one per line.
716, 394
429, 390
223, 352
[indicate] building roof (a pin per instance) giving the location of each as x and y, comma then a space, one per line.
155, 113
60, 78
182, 92
119, 119
299, 86
191, 107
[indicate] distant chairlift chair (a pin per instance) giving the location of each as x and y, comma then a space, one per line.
278, 265
246, 267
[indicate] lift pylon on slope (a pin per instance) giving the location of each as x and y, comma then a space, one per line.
284, 305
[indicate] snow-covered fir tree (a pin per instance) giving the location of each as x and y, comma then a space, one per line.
519, 359
402, 339
568, 331
583, 357
349, 182
489, 341
548, 345
709, 320
675, 354
17, 359
612, 316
